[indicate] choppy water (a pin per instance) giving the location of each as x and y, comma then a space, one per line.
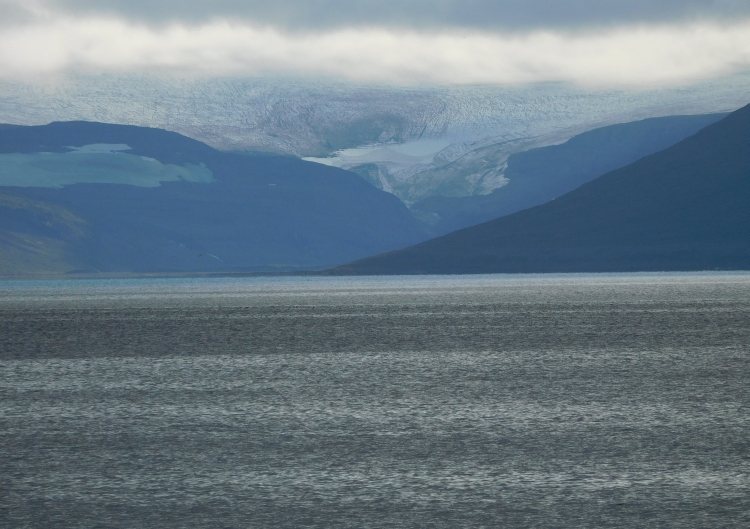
548, 401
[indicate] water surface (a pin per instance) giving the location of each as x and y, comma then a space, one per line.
616, 400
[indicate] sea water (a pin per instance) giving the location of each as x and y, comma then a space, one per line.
456, 401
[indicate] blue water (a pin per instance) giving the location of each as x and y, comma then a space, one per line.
617, 400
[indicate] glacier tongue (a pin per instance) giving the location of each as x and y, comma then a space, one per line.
414, 142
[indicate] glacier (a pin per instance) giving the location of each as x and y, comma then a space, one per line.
413, 141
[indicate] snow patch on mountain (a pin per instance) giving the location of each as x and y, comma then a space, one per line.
411, 141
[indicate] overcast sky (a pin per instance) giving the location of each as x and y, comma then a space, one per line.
634, 43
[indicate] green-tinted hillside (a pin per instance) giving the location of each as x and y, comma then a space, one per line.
35, 237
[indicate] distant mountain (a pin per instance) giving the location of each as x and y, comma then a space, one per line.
539, 175
99, 197
480, 125
684, 208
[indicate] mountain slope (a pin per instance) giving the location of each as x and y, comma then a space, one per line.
316, 118
539, 175
684, 208
152, 200
34, 236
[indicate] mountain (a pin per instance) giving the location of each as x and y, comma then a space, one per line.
539, 175
683, 208
114, 198
325, 119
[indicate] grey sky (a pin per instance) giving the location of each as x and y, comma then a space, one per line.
519, 15
590, 42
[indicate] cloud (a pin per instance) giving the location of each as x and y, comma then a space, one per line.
506, 15
640, 55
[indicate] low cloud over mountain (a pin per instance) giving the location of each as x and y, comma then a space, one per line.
590, 43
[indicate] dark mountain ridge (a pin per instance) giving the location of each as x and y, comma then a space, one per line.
684, 208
